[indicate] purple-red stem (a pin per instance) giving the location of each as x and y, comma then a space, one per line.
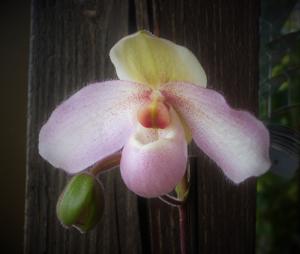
182, 228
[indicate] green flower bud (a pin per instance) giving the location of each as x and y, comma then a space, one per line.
81, 204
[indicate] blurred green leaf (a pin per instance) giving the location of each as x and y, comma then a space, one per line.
278, 199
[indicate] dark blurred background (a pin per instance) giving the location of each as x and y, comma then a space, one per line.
278, 192
278, 222
14, 51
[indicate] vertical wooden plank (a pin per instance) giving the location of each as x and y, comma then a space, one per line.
70, 41
224, 37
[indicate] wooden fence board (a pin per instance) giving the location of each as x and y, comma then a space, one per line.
70, 41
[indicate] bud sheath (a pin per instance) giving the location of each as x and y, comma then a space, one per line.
81, 204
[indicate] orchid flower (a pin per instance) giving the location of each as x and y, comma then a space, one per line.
160, 101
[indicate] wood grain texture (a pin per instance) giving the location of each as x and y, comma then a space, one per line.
224, 36
70, 41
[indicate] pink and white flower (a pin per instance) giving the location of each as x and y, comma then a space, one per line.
150, 113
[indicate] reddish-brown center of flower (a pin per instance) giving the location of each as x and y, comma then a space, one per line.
154, 115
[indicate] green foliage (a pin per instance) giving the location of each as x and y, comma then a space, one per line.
278, 199
277, 215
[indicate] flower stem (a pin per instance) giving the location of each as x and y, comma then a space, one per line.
106, 164
182, 228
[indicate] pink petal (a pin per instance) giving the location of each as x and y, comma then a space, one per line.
90, 125
154, 161
235, 140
